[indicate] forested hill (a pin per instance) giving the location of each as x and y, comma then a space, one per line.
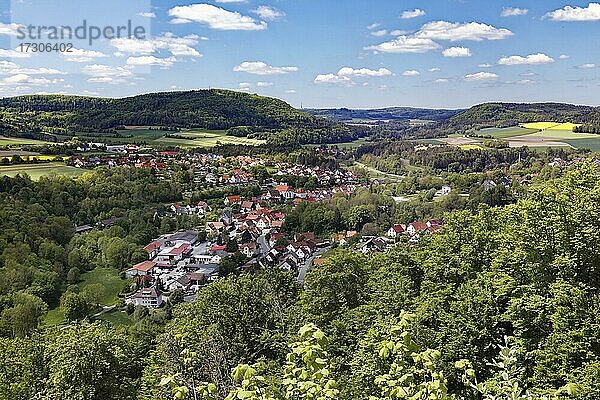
390, 113
211, 109
510, 114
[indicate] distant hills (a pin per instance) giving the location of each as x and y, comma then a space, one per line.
510, 114
380, 114
245, 114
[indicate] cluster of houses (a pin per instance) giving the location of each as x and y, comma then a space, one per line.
175, 261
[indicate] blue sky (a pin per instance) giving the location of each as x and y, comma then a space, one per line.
319, 53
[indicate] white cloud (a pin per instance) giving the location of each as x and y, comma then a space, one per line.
268, 13
443, 30
532, 59
261, 68
563, 57
345, 74
380, 33
485, 65
215, 18
290, 91
398, 32
80, 55
587, 66
147, 14
441, 80
333, 79
264, 84
9, 29
481, 76
405, 44
10, 68
373, 26
99, 73
513, 11
151, 61
571, 14
417, 12
177, 46
16, 53
411, 72
24, 80
348, 71
434, 69
245, 86
457, 52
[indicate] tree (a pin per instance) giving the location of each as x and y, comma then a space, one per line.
25, 314
75, 306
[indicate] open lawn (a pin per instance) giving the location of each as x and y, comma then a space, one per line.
564, 135
117, 317
108, 281
35, 171
105, 284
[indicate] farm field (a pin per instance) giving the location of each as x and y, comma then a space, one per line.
344, 145
204, 138
502, 133
13, 141
538, 135
187, 138
36, 171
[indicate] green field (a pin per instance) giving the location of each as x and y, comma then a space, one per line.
565, 135
13, 141
107, 284
187, 138
35, 171
344, 145
502, 133
204, 138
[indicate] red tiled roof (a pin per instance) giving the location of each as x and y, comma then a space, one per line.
144, 266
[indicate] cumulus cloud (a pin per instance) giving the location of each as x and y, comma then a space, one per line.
345, 74
411, 72
379, 33
563, 57
10, 68
333, 79
434, 69
481, 76
268, 13
457, 52
99, 73
80, 55
264, 84
9, 29
151, 61
405, 44
373, 26
147, 14
261, 68
16, 53
485, 65
573, 14
513, 11
177, 46
532, 59
348, 71
443, 30
24, 80
587, 66
441, 80
215, 18
417, 12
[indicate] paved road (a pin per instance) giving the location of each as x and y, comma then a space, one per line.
306, 266
376, 171
263, 246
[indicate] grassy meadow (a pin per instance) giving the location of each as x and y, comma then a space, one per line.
36, 171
